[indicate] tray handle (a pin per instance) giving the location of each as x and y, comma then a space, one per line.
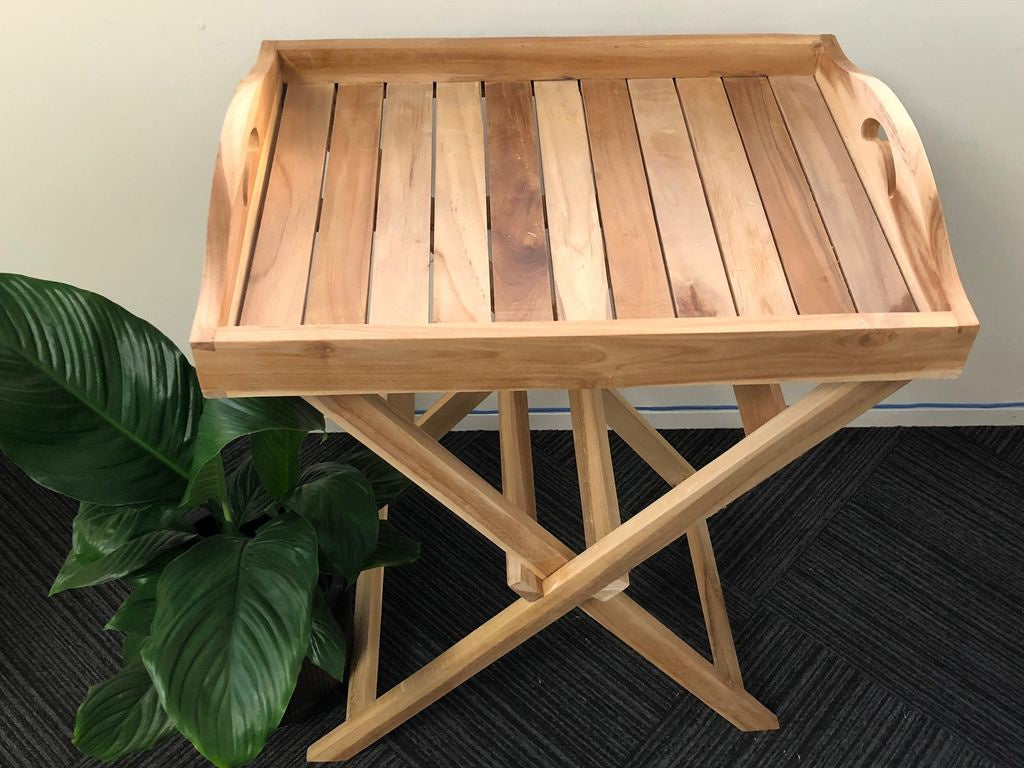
248, 127
887, 151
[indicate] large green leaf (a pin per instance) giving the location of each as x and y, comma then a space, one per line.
123, 561
275, 454
110, 542
231, 628
387, 482
121, 715
99, 530
246, 494
227, 419
135, 616
339, 503
326, 639
393, 548
94, 402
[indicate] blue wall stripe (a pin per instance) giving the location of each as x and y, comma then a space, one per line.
725, 408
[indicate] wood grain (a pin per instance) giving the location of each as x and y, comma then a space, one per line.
462, 271
755, 273
546, 58
521, 270
557, 355
700, 287
870, 268
275, 293
339, 279
400, 274
635, 264
517, 483
236, 195
805, 249
577, 250
897, 178
598, 497
658, 453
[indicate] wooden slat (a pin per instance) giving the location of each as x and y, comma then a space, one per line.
635, 265
400, 274
517, 480
577, 251
755, 273
276, 289
699, 284
340, 276
870, 268
521, 271
814, 275
546, 58
462, 272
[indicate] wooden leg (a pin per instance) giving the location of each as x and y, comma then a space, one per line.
517, 480
654, 449
362, 678
449, 409
600, 502
571, 582
439, 419
758, 403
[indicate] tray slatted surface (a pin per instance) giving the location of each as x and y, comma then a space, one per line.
564, 200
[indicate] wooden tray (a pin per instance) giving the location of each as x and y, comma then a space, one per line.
481, 214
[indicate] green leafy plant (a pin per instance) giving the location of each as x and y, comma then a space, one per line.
228, 572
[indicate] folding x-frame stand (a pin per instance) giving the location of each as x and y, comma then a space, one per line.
550, 578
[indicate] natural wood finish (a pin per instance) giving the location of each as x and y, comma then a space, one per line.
577, 250
339, 279
897, 179
517, 480
546, 58
758, 456
400, 274
448, 410
758, 403
699, 284
755, 273
871, 271
369, 601
815, 278
275, 293
521, 270
461, 357
236, 194
462, 273
654, 449
635, 264
599, 500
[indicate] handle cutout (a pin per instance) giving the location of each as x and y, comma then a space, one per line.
252, 159
874, 131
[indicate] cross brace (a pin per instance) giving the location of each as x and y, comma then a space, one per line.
565, 580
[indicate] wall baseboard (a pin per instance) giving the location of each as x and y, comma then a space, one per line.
726, 416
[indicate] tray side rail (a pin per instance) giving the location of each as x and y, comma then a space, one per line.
243, 155
889, 156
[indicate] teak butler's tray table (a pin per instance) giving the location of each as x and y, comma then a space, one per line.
477, 215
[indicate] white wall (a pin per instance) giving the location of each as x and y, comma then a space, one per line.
111, 111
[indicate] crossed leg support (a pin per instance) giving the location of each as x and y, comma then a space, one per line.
567, 581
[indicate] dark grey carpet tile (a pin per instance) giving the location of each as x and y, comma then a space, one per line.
758, 536
914, 619
830, 713
1005, 442
872, 588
